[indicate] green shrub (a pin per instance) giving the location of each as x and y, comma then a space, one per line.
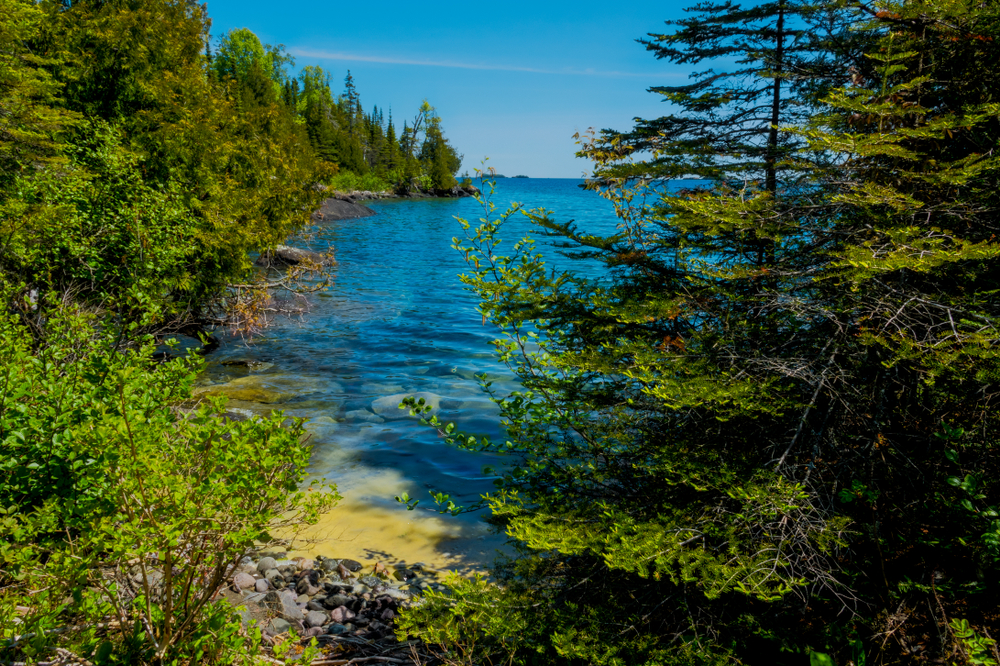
347, 181
121, 509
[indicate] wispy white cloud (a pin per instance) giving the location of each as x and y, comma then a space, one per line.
391, 60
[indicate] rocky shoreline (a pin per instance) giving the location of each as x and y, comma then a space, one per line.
329, 599
345, 206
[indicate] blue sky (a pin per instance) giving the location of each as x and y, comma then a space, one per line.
512, 81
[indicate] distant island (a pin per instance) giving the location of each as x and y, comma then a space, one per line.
521, 176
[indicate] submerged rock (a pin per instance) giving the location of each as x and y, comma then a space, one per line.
235, 391
363, 415
388, 407
267, 389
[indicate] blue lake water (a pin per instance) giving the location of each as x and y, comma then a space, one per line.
396, 320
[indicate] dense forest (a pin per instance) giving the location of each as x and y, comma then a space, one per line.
770, 436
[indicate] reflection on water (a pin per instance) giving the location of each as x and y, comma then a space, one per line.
396, 322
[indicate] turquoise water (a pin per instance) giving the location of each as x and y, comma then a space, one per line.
397, 321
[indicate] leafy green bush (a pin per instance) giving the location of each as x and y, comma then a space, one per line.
347, 181
120, 509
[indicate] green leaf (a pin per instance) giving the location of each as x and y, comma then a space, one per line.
103, 652
821, 659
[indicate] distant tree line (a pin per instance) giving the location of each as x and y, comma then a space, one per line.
417, 156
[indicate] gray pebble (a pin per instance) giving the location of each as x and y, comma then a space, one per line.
243, 581
274, 553
335, 600
336, 629
393, 593
277, 626
316, 619
351, 565
281, 604
304, 586
342, 614
262, 586
265, 564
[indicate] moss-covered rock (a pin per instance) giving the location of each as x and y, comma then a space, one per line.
234, 391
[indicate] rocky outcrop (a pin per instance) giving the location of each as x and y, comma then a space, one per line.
285, 255
341, 208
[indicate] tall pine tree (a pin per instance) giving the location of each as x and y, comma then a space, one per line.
771, 427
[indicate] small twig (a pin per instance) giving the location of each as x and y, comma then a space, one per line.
70, 658
356, 660
60, 630
270, 660
996, 653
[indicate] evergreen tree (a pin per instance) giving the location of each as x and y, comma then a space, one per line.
771, 61
728, 455
391, 156
439, 159
352, 102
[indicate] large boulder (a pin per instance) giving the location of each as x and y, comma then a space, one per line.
341, 208
285, 255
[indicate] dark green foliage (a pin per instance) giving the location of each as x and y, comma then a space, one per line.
165, 183
770, 436
134, 181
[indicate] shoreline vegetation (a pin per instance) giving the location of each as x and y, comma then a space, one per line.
142, 165
769, 437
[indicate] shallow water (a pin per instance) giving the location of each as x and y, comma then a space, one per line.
397, 321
